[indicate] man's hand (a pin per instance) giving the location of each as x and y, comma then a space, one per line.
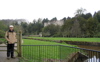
10, 42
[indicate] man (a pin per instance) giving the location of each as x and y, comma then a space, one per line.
10, 36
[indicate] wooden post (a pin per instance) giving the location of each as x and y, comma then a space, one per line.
19, 44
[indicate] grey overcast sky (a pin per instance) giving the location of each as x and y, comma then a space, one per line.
34, 9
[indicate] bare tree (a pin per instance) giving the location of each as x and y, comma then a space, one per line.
80, 11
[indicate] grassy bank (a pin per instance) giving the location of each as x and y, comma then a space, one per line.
70, 39
40, 53
2, 40
37, 42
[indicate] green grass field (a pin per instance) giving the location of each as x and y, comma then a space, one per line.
70, 39
47, 50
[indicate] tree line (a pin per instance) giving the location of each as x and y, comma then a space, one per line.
81, 25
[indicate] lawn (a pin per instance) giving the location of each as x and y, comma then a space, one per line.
69, 39
39, 51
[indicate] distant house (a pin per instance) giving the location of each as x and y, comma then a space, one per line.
60, 23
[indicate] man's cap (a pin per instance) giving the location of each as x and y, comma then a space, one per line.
11, 26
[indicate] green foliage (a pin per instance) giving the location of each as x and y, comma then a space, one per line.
66, 27
97, 15
2, 29
45, 20
98, 31
86, 16
24, 27
32, 28
50, 30
91, 26
82, 23
81, 26
2, 26
2, 34
53, 19
2, 40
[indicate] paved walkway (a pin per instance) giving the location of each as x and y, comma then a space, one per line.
3, 56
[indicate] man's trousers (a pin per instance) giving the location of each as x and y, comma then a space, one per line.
10, 50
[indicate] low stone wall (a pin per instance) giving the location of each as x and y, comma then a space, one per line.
83, 43
75, 57
71, 42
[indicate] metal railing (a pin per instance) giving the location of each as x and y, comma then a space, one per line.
58, 53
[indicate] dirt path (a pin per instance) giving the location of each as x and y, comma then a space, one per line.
3, 56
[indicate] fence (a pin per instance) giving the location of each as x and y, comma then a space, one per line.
58, 53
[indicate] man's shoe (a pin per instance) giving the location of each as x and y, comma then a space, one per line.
13, 57
8, 58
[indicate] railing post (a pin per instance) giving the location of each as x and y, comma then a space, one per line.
19, 44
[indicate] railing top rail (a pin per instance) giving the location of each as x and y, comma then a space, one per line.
39, 45
66, 46
81, 48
